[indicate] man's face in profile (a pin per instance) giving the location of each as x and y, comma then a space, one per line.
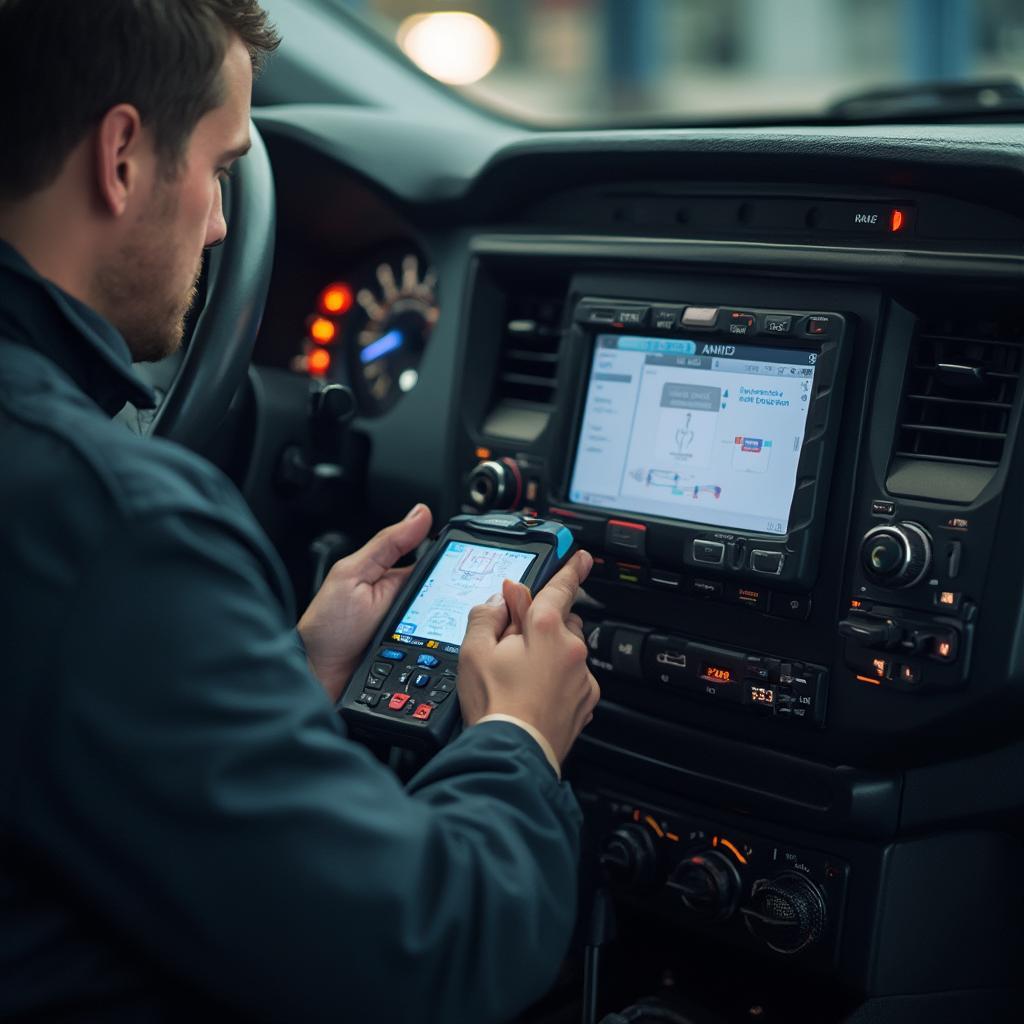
147, 289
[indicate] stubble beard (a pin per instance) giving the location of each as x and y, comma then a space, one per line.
135, 291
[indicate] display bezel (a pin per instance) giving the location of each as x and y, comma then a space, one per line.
668, 542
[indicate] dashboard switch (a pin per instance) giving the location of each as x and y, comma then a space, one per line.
626, 538
627, 651
776, 324
708, 552
768, 562
700, 316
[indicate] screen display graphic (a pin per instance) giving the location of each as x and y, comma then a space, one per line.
465, 575
705, 432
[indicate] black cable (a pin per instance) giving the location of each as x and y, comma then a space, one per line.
600, 932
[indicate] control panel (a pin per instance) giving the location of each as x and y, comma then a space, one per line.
780, 689
750, 890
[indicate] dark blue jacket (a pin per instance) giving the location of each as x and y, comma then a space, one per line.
184, 828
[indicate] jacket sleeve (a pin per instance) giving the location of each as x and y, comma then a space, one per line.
188, 778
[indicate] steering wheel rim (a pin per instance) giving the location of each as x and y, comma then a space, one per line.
217, 359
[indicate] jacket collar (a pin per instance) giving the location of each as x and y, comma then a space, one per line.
36, 313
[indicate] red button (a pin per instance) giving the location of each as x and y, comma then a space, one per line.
423, 712
398, 701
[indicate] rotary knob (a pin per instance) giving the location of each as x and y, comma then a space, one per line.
897, 555
787, 913
630, 857
496, 483
708, 884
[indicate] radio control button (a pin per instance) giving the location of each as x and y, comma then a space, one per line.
706, 588
398, 701
423, 712
741, 323
791, 606
768, 563
632, 316
665, 318
437, 696
373, 682
427, 661
777, 324
749, 597
818, 325
626, 538
700, 316
665, 579
627, 652
709, 552
390, 654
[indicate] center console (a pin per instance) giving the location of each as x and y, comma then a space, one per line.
793, 526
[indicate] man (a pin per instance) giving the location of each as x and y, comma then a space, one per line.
185, 831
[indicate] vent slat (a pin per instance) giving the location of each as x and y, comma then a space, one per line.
956, 431
945, 458
960, 390
943, 400
531, 344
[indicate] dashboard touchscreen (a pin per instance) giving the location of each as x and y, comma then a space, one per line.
705, 432
465, 575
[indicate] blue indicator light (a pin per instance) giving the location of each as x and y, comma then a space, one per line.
383, 346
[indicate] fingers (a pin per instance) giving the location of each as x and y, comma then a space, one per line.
575, 624
518, 598
560, 593
486, 624
380, 553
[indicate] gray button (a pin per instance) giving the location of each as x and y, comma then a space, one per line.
700, 316
767, 562
710, 552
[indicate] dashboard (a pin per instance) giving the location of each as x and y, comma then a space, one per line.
770, 379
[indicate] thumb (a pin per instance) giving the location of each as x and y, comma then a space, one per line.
380, 552
486, 623
518, 598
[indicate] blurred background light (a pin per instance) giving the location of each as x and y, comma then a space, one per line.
455, 47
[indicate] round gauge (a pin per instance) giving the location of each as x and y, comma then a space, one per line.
385, 333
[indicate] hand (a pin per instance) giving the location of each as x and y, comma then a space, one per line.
355, 597
527, 658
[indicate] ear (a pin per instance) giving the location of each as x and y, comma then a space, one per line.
119, 150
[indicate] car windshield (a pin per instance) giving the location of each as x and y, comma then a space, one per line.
587, 62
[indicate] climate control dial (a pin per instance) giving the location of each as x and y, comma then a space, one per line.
787, 912
897, 555
630, 856
709, 885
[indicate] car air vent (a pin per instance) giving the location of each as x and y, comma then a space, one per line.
527, 379
959, 392
529, 363
958, 405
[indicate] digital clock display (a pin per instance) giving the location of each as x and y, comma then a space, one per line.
762, 695
717, 674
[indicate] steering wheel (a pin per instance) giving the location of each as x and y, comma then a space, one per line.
198, 383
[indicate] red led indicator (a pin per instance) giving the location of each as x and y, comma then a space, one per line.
896, 220
319, 362
336, 299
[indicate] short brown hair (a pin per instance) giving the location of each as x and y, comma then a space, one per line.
65, 63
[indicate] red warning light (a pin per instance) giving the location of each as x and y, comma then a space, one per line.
319, 362
895, 220
336, 299
322, 330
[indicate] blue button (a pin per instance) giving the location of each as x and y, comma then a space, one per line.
427, 661
421, 680
392, 655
